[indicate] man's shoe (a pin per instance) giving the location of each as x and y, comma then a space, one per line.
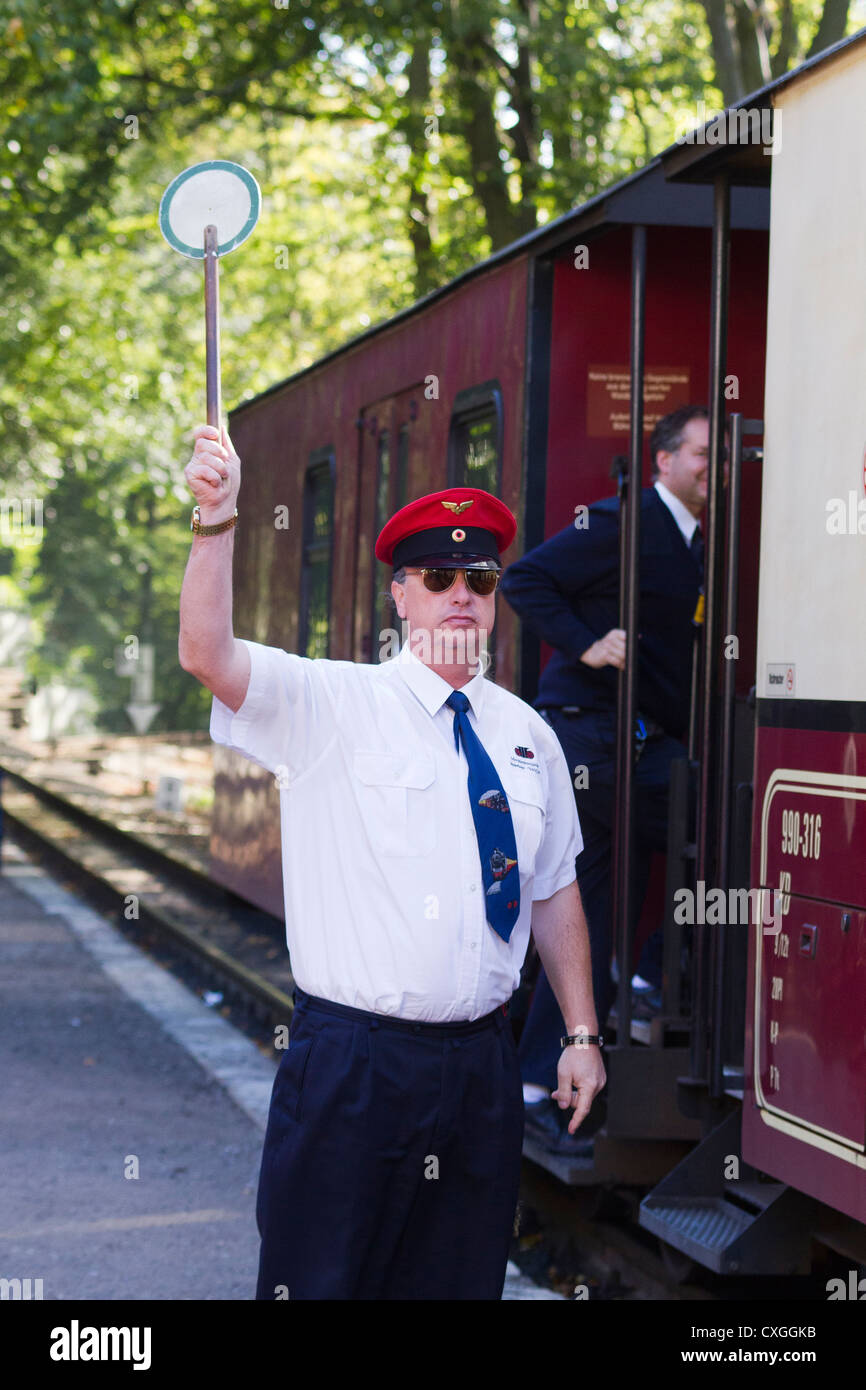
646, 1001
544, 1125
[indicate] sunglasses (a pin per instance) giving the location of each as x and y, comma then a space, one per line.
439, 581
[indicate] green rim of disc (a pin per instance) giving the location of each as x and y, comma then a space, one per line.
223, 247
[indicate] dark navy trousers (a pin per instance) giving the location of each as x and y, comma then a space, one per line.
391, 1162
589, 740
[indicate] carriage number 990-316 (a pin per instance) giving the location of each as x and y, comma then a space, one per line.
801, 835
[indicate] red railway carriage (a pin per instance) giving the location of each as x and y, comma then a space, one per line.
526, 376
435, 396
805, 1111
485, 383
803, 1119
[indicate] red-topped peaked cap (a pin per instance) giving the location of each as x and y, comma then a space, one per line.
462, 526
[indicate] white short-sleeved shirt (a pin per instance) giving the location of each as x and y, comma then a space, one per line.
680, 512
384, 899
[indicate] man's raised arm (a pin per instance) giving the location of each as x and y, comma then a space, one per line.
207, 647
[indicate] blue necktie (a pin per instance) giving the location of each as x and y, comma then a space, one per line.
493, 824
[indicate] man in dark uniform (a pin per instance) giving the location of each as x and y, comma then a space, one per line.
567, 591
427, 822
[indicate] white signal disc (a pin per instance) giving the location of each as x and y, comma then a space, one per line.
217, 192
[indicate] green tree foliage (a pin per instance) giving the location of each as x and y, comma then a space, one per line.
103, 352
757, 40
395, 145
541, 101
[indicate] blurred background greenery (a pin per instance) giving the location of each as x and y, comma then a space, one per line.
395, 145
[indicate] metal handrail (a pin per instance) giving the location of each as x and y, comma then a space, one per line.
708, 792
726, 754
622, 900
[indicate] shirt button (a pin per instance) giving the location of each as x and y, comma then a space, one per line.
473, 887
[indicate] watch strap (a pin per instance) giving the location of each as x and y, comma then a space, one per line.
582, 1040
198, 529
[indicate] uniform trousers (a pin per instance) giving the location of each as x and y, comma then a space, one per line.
589, 741
391, 1161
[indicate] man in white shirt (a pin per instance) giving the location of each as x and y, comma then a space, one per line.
428, 821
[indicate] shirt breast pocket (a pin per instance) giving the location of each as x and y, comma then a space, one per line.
526, 800
395, 797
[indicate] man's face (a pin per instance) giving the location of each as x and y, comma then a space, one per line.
685, 472
447, 629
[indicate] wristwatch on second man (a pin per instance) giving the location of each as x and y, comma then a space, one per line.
581, 1040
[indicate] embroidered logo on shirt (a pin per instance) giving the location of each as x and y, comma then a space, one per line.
524, 752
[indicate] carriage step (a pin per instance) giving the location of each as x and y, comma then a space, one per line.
714, 1208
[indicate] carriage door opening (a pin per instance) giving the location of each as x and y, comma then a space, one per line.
391, 466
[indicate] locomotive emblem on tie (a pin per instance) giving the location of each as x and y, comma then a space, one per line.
494, 801
500, 865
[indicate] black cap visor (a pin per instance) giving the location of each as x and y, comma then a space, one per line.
469, 547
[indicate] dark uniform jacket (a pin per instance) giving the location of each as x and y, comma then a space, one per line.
567, 591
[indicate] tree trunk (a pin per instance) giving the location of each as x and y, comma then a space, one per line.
726, 50
787, 45
416, 130
470, 60
831, 27
741, 31
753, 26
524, 135
477, 124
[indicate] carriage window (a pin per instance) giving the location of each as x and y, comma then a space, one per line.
382, 574
475, 448
383, 480
475, 440
401, 482
314, 633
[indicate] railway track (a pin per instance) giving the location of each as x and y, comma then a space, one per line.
166, 903
570, 1239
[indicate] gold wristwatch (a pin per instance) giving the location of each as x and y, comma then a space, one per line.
198, 530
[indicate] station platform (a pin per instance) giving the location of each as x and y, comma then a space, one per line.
158, 787
133, 1115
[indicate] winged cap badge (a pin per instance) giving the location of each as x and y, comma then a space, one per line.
458, 507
